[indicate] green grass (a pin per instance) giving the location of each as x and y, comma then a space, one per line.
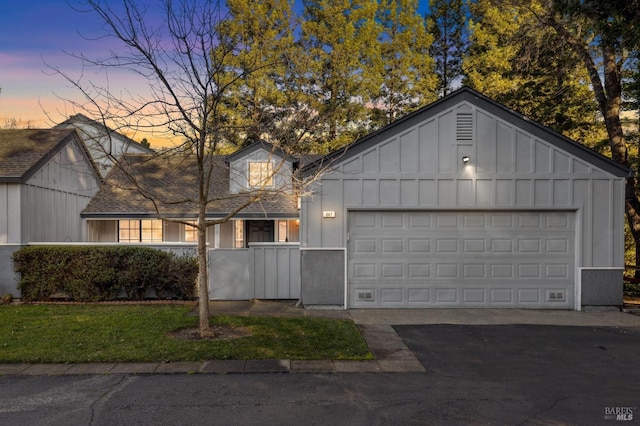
139, 333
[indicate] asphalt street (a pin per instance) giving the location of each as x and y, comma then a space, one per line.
279, 399
489, 374
552, 374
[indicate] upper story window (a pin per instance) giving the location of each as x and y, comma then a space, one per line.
136, 231
260, 173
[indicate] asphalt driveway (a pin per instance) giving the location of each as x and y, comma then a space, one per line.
566, 374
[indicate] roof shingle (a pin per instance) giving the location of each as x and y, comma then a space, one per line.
21, 150
171, 181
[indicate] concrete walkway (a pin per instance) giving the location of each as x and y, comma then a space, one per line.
391, 353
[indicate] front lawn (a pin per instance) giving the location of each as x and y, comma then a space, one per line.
140, 333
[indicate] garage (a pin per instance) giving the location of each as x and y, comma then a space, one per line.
464, 204
461, 259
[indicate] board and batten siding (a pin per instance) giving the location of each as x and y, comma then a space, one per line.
419, 167
51, 200
239, 171
10, 220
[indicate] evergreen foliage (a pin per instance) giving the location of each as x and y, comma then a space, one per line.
98, 273
447, 24
406, 70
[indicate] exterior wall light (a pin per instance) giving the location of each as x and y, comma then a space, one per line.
465, 159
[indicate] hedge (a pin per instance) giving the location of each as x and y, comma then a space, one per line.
102, 273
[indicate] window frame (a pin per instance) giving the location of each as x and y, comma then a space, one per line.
190, 230
142, 230
264, 176
238, 233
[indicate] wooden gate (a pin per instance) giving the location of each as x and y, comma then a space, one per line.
263, 271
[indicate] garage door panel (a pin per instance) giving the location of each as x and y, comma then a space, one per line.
392, 245
419, 245
423, 259
446, 245
442, 296
418, 221
501, 295
474, 270
474, 220
418, 295
474, 245
473, 295
447, 296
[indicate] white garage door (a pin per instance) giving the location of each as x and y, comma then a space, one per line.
461, 259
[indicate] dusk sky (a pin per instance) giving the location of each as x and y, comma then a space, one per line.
34, 35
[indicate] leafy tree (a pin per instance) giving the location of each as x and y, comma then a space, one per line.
604, 36
527, 67
262, 97
631, 97
339, 41
406, 77
186, 58
446, 22
569, 48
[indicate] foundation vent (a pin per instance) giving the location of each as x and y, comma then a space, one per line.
555, 296
365, 296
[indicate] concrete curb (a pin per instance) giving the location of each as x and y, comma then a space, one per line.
268, 366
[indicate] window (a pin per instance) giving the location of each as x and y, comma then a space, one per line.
129, 231
191, 232
260, 173
282, 231
239, 233
151, 230
135, 231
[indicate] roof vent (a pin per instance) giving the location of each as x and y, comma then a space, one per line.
464, 126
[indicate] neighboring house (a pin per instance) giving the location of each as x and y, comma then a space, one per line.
47, 177
464, 203
105, 145
119, 213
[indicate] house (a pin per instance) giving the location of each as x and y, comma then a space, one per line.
47, 177
104, 144
121, 213
464, 203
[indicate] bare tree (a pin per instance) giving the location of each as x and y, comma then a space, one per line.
187, 63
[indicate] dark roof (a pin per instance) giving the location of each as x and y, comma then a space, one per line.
172, 182
258, 145
24, 151
71, 121
469, 95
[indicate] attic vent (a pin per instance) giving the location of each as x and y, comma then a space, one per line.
365, 296
464, 126
555, 296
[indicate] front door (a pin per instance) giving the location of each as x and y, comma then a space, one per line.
260, 231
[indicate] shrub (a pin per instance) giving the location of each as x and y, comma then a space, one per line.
631, 289
98, 273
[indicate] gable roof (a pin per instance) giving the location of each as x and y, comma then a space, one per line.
482, 102
255, 146
168, 178
76, 119
24, 151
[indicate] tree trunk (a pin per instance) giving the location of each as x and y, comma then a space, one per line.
203, 290
610, 107
633, 219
